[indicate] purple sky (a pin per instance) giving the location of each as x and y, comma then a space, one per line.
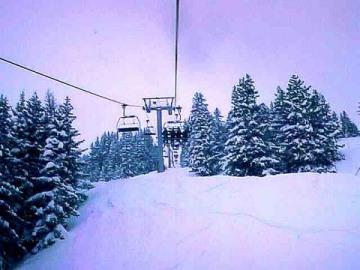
125, 49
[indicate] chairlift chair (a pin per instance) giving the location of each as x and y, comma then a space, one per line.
149, 129
177, 123
174, 130
174, 125
128, 123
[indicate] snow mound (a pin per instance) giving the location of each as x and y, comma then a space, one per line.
175, 220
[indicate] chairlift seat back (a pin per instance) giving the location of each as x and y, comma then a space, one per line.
128, 123
127, 129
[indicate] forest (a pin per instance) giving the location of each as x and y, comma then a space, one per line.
44, 172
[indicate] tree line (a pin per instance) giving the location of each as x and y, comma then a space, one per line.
115, 156
298, 133
40, 174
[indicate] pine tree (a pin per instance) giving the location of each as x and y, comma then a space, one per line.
11, 247
325, 133
185, 155
19, 168
337, 124
30, 133
138, 154
149, 153
265, 119
73, 166
95, 161
35, 135
127, 157
115, 152
69, 134
52, 199
247, 151
279, 113
200, 136
144, 154
305, 129
39, 172
110, 162
349, 129
50, 108
114, 157
105, 144
218, 139
55, 199
296, 136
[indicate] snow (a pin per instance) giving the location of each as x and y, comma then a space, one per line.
61, 145
351, 150
175, 220
50, 165
48, 153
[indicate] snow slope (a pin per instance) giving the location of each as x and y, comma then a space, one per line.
177, 221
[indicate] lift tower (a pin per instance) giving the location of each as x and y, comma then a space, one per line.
159, 104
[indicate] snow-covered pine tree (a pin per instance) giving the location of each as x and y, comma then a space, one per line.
50, 108
11, 226
297, 145
325, 134
106, 166
127, 156
118, 157
138, 153
35, 134
185, 155
150, 153
349, 129
265, 118
68, 134
279, 113
54, 198
93, 166
247, 151
335, 119
200, 136
111, 160
30, 133
19, 149
218, 139
144, 153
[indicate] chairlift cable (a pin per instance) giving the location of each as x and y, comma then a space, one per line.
66, 83
176, 46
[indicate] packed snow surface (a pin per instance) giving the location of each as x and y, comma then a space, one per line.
175, 220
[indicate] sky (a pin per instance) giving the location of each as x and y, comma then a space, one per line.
125, 50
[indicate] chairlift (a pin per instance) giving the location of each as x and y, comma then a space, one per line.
177, 122
128, 123
174, 125
149, 129
175, 130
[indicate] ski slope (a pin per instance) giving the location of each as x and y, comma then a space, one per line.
175, 220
